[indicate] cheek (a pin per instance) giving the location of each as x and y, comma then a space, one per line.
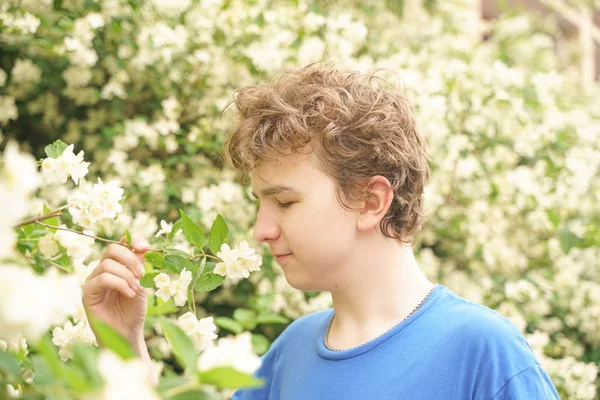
322, 227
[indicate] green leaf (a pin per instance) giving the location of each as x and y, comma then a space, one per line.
260, 344
229, 378
218, 234
169, 382
176, 228
182, 345
229, 324
176, 263
247, 318
568, 240
156, 259
43, 372
268, 318
195, 394
128, 238
208, 281
73, 376
161, 308
193, 233
85, 358
553, 216
111, 339
9, 365
55, 149
50, 221
147, 280
176, 252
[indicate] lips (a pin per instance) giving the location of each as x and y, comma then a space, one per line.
282, 257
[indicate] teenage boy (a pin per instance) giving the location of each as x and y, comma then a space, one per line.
339, 166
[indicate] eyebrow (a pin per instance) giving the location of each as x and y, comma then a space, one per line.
277, 189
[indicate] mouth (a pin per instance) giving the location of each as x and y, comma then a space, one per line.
282, 257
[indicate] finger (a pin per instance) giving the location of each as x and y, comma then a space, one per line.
108, 281
140, 246
126, 257
113, 267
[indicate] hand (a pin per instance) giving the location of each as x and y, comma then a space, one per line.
112, 292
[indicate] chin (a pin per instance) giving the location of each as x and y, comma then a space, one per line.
301, 282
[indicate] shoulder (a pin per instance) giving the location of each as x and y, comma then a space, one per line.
478, 322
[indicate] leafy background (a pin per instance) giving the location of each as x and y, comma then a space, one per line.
513, 201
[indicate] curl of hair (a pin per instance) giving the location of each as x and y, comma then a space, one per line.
359, 126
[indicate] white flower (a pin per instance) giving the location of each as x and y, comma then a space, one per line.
125, 380
19, 171
48, 246
165, 228
8, 109
58, 170
202, 332
235, 352
171, 108
25, 71
163, 284
165, 126
2, 77
95, 20
176, 288
76, 76
237, 263
31, 304
65, 336
96, 203
171, 8
78, 246
16, 345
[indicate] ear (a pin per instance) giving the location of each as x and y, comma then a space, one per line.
378, 198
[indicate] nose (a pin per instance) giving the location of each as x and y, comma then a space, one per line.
266, 227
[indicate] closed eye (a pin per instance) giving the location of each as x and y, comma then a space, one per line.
285, 205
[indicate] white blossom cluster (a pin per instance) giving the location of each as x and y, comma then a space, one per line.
201, 331
18, 181
237, 262
93, 203
58, 170
233, 352
30, 303
124, 380
173, 288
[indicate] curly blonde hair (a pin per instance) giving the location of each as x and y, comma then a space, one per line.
357, 126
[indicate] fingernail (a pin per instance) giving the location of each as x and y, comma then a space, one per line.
141, 270
131, 292
139, 286
144, 244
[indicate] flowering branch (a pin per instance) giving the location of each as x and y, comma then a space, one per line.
52, 214
80, 233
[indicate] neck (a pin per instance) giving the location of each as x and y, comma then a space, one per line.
376, 292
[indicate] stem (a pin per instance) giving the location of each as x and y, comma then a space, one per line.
52, 214
207, 256
37, 219
57, 265
80, 233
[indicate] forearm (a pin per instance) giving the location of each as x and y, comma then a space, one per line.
139, 346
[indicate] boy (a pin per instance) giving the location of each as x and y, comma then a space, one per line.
339, 167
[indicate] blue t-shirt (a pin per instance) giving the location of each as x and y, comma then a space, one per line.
450, 348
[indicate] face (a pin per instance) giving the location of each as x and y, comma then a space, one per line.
302, 221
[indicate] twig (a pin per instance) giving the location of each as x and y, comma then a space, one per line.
80, 233
52, 214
